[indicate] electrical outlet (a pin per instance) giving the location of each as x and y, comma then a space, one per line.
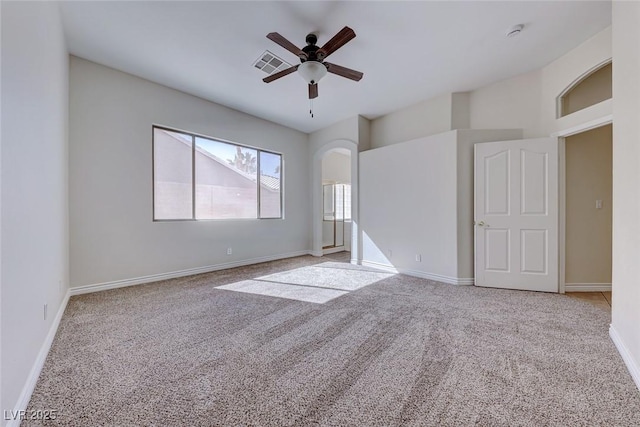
229, 251
418, 258
46, 306
598, 204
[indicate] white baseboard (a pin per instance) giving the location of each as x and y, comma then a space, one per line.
632, 366
333, 250
587, 287
438, 277
384, 267
79, 290
34, 374
422, 274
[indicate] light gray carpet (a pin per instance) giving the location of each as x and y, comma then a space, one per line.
390, 350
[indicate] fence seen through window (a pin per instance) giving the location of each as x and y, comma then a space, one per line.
195, 177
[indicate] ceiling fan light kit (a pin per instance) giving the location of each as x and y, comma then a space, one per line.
312, 71
312, 67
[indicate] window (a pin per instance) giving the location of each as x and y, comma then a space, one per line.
347, 202
337, 202
172, 175
196, 177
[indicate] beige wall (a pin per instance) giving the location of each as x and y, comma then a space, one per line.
563, 72
509, 104
593, 89
529, 101
433, 116
364, 133
426, 118
588, 230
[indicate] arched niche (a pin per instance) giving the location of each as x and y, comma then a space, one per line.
589, 89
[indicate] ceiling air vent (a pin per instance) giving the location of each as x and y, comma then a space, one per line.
270, 63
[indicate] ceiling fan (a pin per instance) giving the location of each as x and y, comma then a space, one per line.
312, 66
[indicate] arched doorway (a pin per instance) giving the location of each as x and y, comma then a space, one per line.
331, 153
336, 200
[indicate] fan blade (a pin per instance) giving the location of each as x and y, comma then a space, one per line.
279, 74
344, 71
276, 37
343, 37
313, 91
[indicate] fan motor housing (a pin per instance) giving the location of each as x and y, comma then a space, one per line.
311, 50
311, 38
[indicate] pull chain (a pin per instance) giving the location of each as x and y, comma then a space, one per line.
311, 107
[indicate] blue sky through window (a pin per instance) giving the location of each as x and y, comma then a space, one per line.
269, 163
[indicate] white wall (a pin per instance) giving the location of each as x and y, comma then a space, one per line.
423, 204
626, 183
34, 229
408, 205
112, 233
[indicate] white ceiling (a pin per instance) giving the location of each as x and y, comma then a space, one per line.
408, 51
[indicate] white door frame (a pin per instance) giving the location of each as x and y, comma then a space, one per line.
562, 188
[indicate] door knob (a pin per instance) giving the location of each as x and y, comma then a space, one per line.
481, 223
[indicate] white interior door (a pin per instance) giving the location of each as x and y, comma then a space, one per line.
516, 214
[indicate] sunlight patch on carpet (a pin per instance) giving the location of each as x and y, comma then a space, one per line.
285, 290
319, 283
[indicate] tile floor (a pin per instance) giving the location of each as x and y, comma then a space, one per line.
597, 298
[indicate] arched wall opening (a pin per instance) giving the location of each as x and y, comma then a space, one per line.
336, 200
592, 87
348, 149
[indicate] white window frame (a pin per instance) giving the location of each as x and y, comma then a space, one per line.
193, 176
